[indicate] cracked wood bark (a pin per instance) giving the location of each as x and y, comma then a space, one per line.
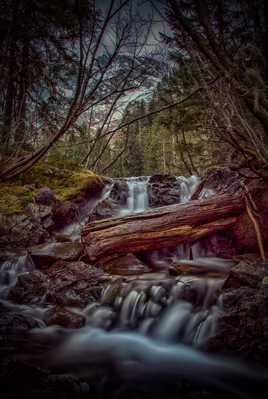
167, 226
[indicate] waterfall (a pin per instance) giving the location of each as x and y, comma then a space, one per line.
188, 186
73, 230
137, 200
10, 270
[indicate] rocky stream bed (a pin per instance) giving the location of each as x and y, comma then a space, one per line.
183, 322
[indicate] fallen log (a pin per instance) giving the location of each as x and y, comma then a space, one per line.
167, 226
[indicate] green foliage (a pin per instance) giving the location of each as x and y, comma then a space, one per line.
169, 141
13, 198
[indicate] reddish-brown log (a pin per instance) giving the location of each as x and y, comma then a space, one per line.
163, 227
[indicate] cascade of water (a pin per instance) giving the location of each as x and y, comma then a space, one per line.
183, 310
188, 186
10, 270
137, 200
139, 360
73, 230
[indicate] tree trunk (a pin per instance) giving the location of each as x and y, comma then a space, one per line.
19, 137
163, 227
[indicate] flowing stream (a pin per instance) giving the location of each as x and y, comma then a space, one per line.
137, 198
148, 328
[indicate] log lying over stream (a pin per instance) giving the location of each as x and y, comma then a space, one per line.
167, 226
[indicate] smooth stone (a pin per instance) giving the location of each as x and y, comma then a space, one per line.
44, 255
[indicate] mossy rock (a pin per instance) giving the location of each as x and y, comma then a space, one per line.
66, 184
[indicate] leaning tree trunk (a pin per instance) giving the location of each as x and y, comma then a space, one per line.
27, 162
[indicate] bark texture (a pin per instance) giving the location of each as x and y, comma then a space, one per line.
163, 227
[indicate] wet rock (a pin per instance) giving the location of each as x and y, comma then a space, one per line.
15, 323
65, 318
41, 213
65, 213
223, 180
73, 283
10, 269
45, 196
247, 273
30, 288
45, 254
163, 190
242, 326
163, 178
119, 192
105, 209
125, 266
21, 231
60, 237
9, 254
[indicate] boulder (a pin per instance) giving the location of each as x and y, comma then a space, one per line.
21, 231
64, 213
119, 192
73, 283
64, 284
242, 326
163, 190
41, 213
15, 323
30, 288
65, 318
247, 273
45, 255
61, 237
222, 180
105, 209
125, 266
45, 196
110, 206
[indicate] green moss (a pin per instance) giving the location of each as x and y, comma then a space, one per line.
13, 198
66, 184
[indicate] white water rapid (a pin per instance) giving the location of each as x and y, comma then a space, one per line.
137, 199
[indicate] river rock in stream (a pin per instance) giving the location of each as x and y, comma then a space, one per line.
63, 283
242, 328
163, 190
126, 265
44, 255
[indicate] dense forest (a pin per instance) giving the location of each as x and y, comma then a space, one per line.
134, 199
67, 88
